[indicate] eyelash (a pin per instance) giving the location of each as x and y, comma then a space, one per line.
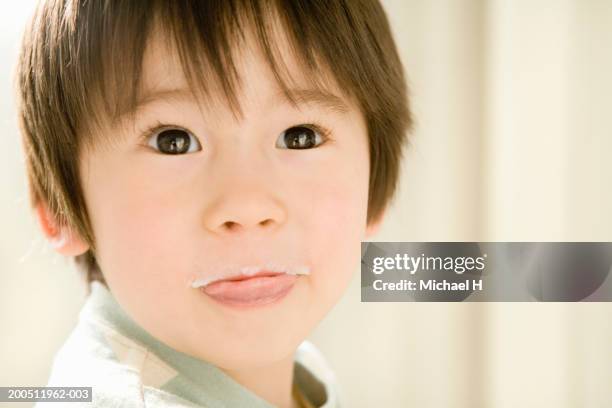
159, 127
325, 132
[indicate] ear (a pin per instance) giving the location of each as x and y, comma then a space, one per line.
373, 227
64, 240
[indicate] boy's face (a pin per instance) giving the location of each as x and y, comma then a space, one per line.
238, 196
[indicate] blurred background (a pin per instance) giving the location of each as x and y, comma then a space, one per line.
513, 140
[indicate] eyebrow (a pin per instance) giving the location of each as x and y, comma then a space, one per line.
150, 96
318, 97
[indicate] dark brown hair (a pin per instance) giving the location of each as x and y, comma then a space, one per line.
81, 61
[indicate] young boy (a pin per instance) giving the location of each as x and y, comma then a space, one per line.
212, 167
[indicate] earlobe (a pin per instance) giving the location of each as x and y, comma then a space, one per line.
62, 239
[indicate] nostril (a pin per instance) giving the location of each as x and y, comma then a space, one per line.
234, 226
231, 225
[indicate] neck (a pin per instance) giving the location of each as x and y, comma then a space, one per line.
273, 382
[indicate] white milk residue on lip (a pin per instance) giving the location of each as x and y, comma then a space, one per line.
250, 271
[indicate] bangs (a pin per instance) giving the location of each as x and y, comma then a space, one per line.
207, 37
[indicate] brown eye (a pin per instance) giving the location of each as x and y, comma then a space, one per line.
299, 137
174, 141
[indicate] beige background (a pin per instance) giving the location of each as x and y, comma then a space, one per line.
513, 137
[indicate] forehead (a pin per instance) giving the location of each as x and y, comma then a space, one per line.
249, 75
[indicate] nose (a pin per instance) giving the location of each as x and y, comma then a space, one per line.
244, 200
244, 211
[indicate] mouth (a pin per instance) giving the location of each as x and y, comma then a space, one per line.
252, 287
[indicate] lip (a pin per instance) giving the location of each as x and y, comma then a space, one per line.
256, 290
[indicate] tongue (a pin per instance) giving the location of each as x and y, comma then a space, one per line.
251, 289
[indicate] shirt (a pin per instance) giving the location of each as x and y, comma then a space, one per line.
128, 367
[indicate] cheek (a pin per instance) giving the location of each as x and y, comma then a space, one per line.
337, 218
134, 220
